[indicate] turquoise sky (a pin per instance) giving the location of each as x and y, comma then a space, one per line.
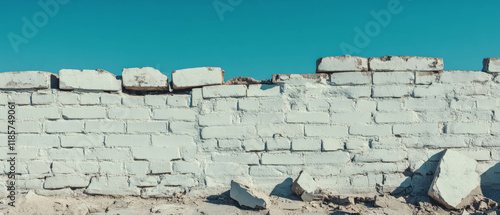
255, 38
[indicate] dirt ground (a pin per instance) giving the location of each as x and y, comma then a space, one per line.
222, 204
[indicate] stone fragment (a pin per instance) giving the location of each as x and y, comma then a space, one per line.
491, 64
300, 79
72, 79
27, 80
456, 180
197, 77
344, 63
248, 196
144, 78
305, 187
406, 63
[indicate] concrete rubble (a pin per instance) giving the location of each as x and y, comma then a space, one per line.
456, 180
247, 196
305, 187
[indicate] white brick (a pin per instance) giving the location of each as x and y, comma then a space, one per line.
342, 105
335, 158
63, 127
306, 144
132, 101
348, 118
108, 154
228, 132
426, 77
71, 79
66, 154
491, 64
128, 140
486, 104
222, 91
325, 131
251, 145
155, 100
197, 77
344, 63
260, 90
90, 98
185, 167
160, 167
178, 180
442, 141
356, 144
105, 126
332, 144
84, 112
229, 145
425, 104
178, 100
307, 117
28, 127
144, 78
225, 105
26, 80
268, 130
128, 113
137, 167
20, 98
281, 159
42, 99
239, 158
467, 128
111, 168
146, 127
267, 171
215, 119
389, 105
173, 141
248, 104
37, 141
67, 98
111, 99
184, 128
405, 63
394, 91
370, 130
271, 104
351, 92
420, 128
381, 155
318, 105
399, 117
86, 140
430, 91
366, 105
393, 77
155, 153
27, 113
62, 181
351, 78
196, 97
275, 144
455, 77
262, 118
111, 185
174, 114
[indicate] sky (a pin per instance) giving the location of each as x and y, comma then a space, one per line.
253, 38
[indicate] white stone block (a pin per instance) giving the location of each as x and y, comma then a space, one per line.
39, 167
67, 98
197, 77
248, 104
66, 154
137, 167
381, 155
28, 127
419, 128
144, 78
393, 77
129, 113
178, 100
253, 145
405, 63
222, 91
357, 144
173, 141
351, 78
491, 64
156, 153
36, 113
19, 98
215, 119
27, 80
426, 77
239, 158
196, 97
133, 101
389, 105
184, 128
262, 118
72, 79
111, 99
84, 112
88, 98
155, 100
344, 63
111, 185
185, 167
112, 154
248, 196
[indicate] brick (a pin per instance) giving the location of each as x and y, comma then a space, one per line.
356, 144
226, 169
62, 181
129, 113
196, 97
111, 99
269, 130
299, 79
248, 104
178, 100
84, 112
63, 127
178, 180
146, 127
307, 117
32, 113
335, 158
65, 167
326, 131
275, 144
173, 141
42, 99
430, 91
28, 127
348, 118
20, 98
88, 98
455, 77
137, 167
155, 153
366, 105
393, 78
186, 167
184, 128
132, 101
262, 118
105, 126
467, 128
381, 155
27, 80
228, 132
39, 167
350, 92
215, 119
405, 63
66, 154
160, 167
332, 144
437, 116
174, 114
68, 98
108, 154
350, 78
344, 63
111, 168
87, 140
155, 100
111, 185
71, 79
425, 104
197, 77
318, 105
370, 130
263, 90
491, 64
399, 117
239, 158
229, 145
271, 104
306, 144
253, 145
267, 171
394, 91
426, 77
128, 140
225, 105
281, 159
486, 104
222, 91
144, 78
420, 128
442, 141
342, 105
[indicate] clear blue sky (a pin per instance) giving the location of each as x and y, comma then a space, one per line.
255, 38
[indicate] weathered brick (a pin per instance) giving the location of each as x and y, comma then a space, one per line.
128, 140
262, 118
42, 99
146, 127
111, 185
399, 117
90, 98
63, 127
39, 167
184, 128
389, 105
84, 112
394, 91
155, 100
68, 98
467, 128
491, 64
27, 127
268, 130
32, 113
248, 104
252, 145
366, 105
108, 154
111, 168
133, 101
318, 105
431, 91
129, 113
160, 167
455, 77
350, 92
274, 144
405, 63
186, 167
239, 158
66, 154
393, 77
62, 181
335, 158
260, 90
349, 118
381, 155
105, 126
356, 144
215, 119
420, 128
196, 97
173, 141
332, 144
267, 171
137, 167
19, 98
306, 144
307, 117
174, 114
344, 63
144, 78
178, 100
370, 130
196, 77
222, 91
155, 153
229, 145
351, 78
228, 132
87, 140
72, 79
325, 131
27, 80
225, 105
111, 99
281, 159
426, 77
425, 104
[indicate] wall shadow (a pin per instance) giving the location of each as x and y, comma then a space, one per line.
284, 190
490, 183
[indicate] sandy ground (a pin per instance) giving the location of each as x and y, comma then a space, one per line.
222, 204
